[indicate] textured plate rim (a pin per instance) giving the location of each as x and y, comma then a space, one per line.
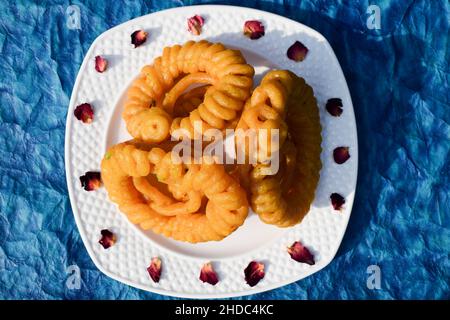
250, 291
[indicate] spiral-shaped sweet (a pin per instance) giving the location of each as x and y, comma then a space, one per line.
159, 86
187, 202
284, 199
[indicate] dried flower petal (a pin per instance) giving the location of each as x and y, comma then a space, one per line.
334, 107
341, 154
84, 112
253, 29
301, 253
207, 274
100, 64
297, 51
138, 37
337, 201
195, 24
254, 273
155, 268
91, 181
108, 238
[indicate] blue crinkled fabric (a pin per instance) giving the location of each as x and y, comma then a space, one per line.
399, 81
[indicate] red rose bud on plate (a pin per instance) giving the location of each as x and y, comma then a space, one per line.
300, 253
334, 107
108, 238
138, 38
254, 273
297, 51
195, 24
84, 112
341, 154
207, 274
155, 268
337, 201
100, 64
91, 180
253, 29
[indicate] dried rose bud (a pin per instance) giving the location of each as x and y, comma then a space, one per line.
84, 112
254, 273
91, 181
253, 29
301, 253
155, 268
334, 107
138, 37
341, 154
207, 274
337, 201
108, 238
195, 24
297, 51
100, 64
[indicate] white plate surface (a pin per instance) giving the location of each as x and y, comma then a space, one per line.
322, 229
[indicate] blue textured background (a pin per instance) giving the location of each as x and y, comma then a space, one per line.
398, 77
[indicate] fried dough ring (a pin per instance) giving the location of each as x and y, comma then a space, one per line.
284, 199
180, 215
159, 86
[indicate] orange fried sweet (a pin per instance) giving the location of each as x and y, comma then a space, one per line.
152, 97
285, 102
187, 202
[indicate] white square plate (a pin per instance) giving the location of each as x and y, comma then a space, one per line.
321, 230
